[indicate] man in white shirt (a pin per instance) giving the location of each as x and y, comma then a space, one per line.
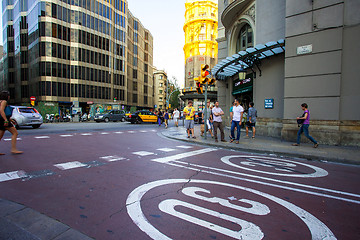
238, 112
176, 116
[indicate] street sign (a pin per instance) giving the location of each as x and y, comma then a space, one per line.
32, 100
269, 103
304, 49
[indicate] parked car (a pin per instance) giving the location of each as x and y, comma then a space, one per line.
142, 116
27, 116
113, 115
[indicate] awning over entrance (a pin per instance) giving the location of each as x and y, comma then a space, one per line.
247, 59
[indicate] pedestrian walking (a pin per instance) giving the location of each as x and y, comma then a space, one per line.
252, 115
6, 123
160, 115
217, 120
231, 115
189, 113
207, 120
304, 128
176, 116
237, 113
166, 118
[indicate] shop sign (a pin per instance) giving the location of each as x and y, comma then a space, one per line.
241, 86
304, 49
269, 103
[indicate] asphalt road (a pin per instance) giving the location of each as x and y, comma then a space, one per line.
122, 181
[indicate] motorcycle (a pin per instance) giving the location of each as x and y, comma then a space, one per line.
49, 118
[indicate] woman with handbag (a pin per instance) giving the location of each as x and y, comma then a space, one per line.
304, 128
6, 123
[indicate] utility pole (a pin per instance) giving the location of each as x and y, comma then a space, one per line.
205, 111
167, 93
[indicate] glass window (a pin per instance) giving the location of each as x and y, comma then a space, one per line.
245, 38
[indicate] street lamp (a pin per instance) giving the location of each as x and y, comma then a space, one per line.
242, 74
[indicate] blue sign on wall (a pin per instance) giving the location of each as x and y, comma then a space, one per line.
269, 103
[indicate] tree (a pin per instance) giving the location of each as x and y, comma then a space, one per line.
174, 90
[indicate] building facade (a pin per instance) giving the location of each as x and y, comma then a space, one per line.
68, 53
160, 88
140, 84
292, 52
201, 47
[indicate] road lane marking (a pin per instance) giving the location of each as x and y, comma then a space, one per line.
143, 131
66, 135
266, 184
166, 149
319, 172
112, 158
143, 153
183, 155
104, 133
272, 179
9, 139
12, 176
131, 131
185, 147
70, 165
318, 229
119, 132
86, 134
42, 137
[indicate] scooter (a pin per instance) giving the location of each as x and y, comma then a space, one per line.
49, 118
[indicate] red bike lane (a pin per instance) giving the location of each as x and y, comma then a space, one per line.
138, 185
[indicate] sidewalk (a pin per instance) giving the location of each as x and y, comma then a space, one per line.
271, 146
18, 222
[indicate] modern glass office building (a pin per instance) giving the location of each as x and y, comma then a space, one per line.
66, 53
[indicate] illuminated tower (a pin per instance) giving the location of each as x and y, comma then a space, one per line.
201, 23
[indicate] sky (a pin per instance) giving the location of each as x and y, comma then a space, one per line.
165, 20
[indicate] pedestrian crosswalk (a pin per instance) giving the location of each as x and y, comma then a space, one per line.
83, 134
109, 159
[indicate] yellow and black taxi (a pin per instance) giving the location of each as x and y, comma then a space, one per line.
143, 116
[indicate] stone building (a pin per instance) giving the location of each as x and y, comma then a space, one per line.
160, 88
200, 28
282, 53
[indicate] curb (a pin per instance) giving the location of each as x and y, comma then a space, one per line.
308, 157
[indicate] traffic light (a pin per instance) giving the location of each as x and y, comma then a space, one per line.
199, 88
205, 73
212, 81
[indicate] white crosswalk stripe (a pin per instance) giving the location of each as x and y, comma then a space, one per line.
69, 165
112, 158
42, 137
86, 134
11, 176
166, 149
66, 135
119, 132
9, 139
104, 133
184, 147
143, 153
